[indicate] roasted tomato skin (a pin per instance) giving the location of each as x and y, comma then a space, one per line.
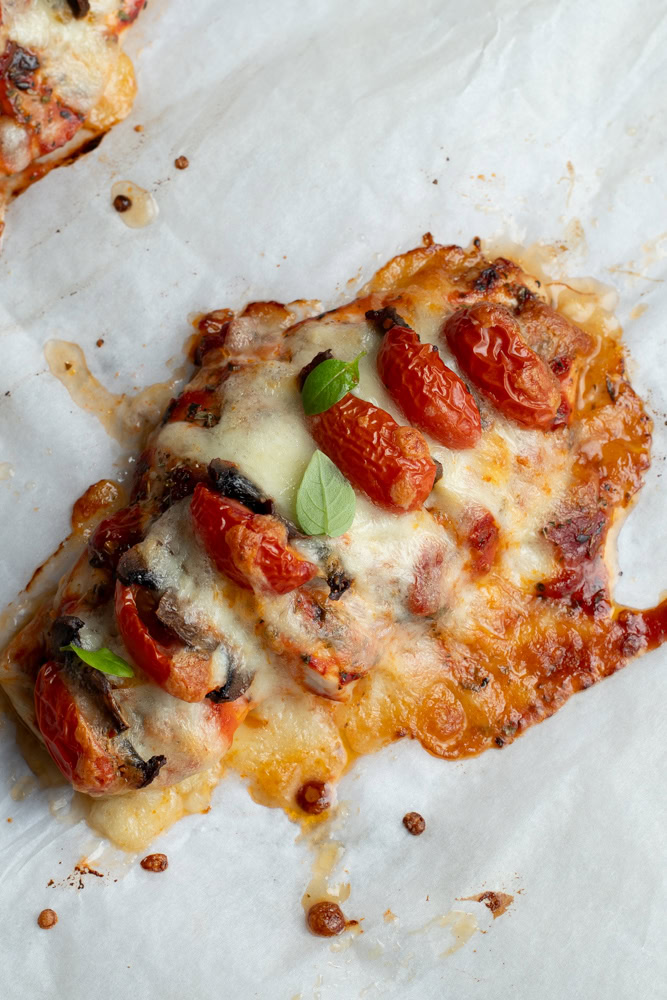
390, 463
250, 549
487, 343
432, 396
146, 652
66, 736
115, 535
183, 671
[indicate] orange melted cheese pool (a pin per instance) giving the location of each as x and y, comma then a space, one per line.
506, 641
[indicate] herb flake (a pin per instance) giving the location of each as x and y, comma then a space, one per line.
101, 659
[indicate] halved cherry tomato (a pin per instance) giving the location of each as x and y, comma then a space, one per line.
182, 671
251, 549
389, 462
431, 395
68, 737
487, 343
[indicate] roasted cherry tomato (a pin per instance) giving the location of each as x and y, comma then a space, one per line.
182, 671
431, 395
487, 343
390, 463
251, 549
115, 535
68, 737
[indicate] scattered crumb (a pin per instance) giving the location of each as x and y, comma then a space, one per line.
138, 128
84, 869
10, 819
414, 823
155, 862
435, 181
8, 393
99, 342
181, 163
497, 902
389, 917
47, 918
49, 883
121, 203
326, 919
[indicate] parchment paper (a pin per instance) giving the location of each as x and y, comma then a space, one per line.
315, 133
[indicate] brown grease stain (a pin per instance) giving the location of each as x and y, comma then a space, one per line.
126, 418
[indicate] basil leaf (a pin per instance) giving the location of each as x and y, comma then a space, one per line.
325, 502
101, 659
328, 383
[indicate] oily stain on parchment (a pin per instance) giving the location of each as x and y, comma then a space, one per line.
126, 418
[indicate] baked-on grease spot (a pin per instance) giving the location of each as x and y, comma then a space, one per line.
142, 208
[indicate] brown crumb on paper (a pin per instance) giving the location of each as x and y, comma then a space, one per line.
414, 823
389, 917
326, 919
155, 862
47, 918
314, 797
497, 902
181, 163
99, 342
84, 869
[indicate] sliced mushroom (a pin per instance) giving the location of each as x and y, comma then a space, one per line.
133, 569
188, 624
226, 479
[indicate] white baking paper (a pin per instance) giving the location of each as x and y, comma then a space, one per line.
315, 133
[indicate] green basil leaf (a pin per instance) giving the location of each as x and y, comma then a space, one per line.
101, 659
325, 503
328, 383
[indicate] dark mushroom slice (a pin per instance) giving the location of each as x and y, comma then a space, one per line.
132, 569
225, 478
312, 365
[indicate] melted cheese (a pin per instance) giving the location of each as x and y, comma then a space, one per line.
75, 55
455, 679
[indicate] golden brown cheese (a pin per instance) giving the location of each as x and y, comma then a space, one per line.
62, 70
